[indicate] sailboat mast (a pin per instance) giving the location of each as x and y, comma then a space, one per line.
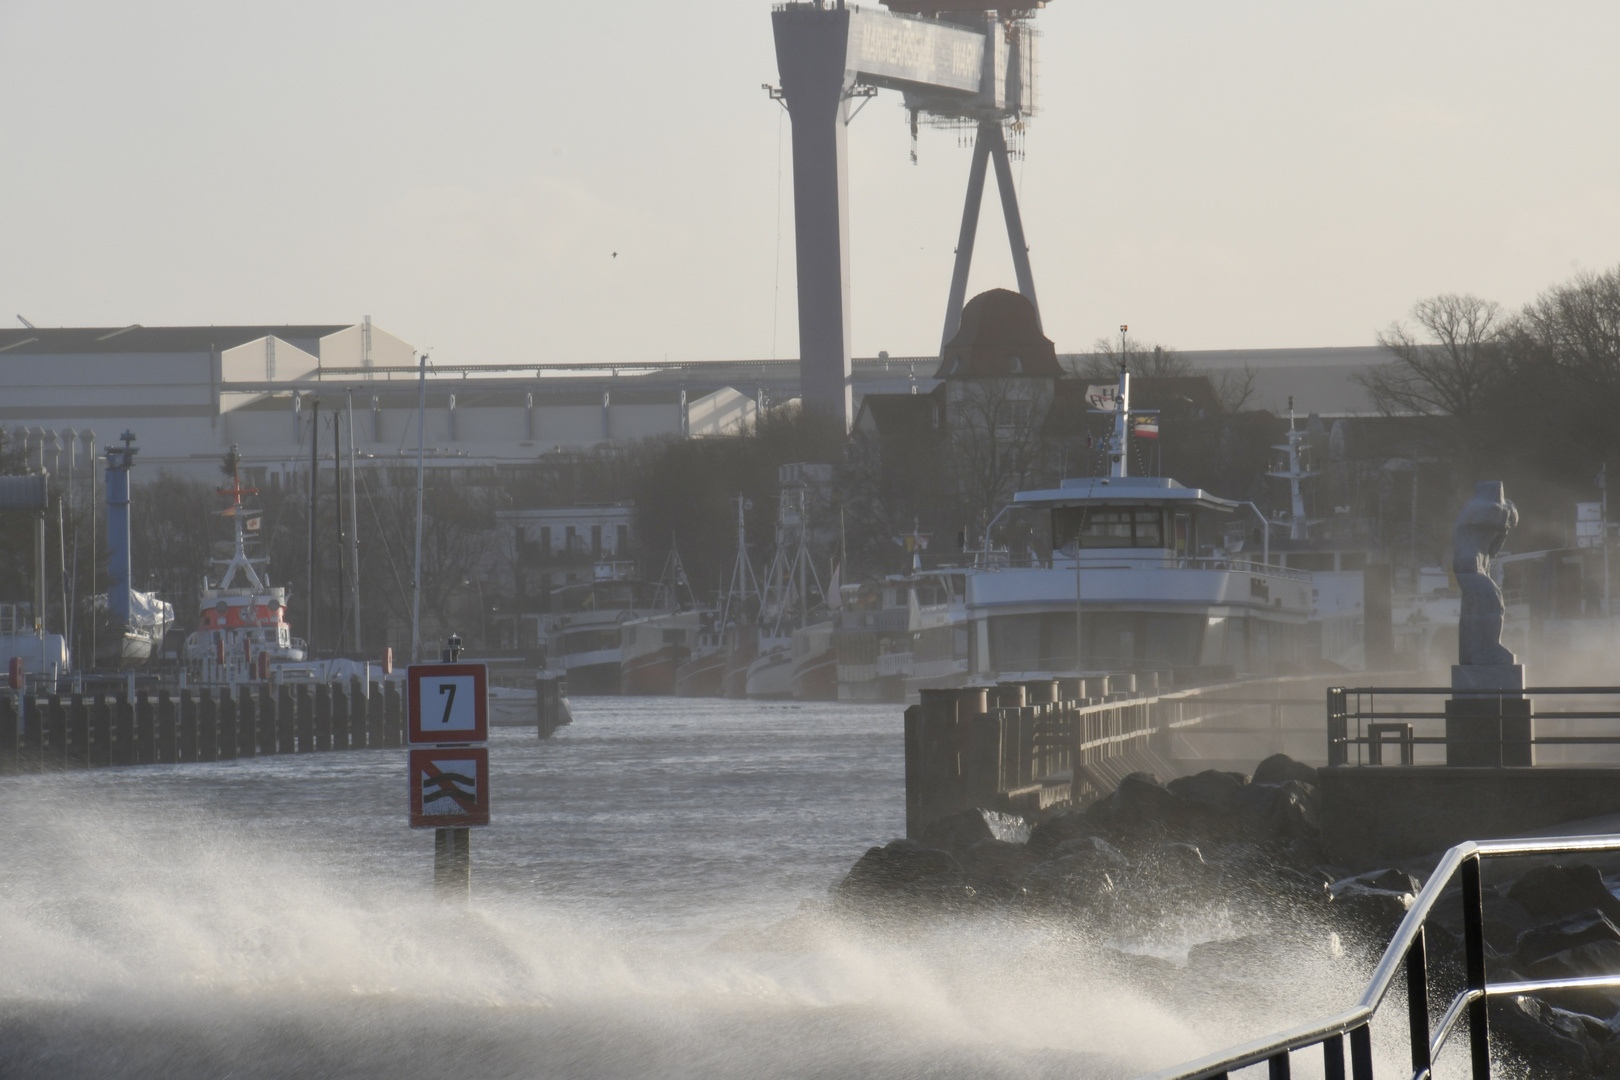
354, 532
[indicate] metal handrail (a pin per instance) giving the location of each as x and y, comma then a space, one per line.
1406, 950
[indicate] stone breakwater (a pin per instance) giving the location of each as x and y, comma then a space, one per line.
1242, 854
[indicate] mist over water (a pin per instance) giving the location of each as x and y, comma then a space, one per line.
640, 909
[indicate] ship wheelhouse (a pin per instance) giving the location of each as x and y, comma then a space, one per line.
1148, 575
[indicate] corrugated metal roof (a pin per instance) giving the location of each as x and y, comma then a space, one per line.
148, 339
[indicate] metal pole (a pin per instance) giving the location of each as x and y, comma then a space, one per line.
61, 558
354, 531
314, 477
416, 573
991, 130
338, 523
91, 442
1479, 1035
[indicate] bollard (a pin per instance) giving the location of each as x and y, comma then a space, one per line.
207, 726
306, 718
168, 729
225, 717
1007, 696
79, 750
1040, 691
340, 716
1071, 689
452, 865
323, 717
55, 733
186, 749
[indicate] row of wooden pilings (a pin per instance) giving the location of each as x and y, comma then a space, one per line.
1021, 745
76, 731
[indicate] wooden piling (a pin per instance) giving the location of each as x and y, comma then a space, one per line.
55, 733
225, 718
123, 751
10, 732
189, 737
79, 750
145, 729
306, 718
357, 714
102, 723
376, 717
286, 720
168, 729
323, 717
247, 722
394, 726
340, 716
452, 865
269, 722
207, 726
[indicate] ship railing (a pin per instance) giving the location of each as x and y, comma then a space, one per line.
1365, 725
1149, 559
1407, 955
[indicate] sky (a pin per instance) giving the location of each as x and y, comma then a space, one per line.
1236, 175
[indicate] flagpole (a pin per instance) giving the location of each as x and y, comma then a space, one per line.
416, 573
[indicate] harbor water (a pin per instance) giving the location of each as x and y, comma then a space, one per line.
651, 901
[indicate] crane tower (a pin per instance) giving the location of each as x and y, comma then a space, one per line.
959, 63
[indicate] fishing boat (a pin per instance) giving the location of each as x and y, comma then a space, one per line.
792, 593
583, 638
654, 647
242, 625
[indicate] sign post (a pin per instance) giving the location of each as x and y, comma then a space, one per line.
448, 712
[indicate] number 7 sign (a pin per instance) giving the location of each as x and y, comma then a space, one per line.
447, 703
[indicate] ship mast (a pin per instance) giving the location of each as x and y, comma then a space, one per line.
1299, 525
1118, 460
239, 558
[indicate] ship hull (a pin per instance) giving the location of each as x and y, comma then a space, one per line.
651, 673
702, 676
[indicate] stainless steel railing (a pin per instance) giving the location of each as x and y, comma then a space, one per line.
1406, 953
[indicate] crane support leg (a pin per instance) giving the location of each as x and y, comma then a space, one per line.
964, 241
1009, 209
812, 50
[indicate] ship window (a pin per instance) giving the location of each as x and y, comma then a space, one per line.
1108, 527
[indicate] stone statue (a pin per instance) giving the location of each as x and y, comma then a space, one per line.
1480, 532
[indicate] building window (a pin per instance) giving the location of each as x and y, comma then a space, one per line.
571, 539
596, 541
623, 539
545, 542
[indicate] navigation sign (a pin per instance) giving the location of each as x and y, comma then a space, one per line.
447, 703
449, 787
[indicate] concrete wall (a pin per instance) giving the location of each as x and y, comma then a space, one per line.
1382, 814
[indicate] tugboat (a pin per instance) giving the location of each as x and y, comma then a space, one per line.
242, 626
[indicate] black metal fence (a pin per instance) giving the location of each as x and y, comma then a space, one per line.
1382, 725
78, 731
1407, 954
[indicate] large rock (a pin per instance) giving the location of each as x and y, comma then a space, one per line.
1081, 872
1141, 801
1068, 825
1548, 1037
991, 860
1211, 788
958, 832
899, 862
1600, 957
1562, 935
1553, 892
1280, 768
1285, 811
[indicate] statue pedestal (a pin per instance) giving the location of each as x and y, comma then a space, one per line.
1488, 720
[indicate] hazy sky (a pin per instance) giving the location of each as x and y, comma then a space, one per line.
1218, 175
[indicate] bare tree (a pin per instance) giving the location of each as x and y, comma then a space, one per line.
996, 439
1577, 327
1235, 387
1144, 360
1448, 370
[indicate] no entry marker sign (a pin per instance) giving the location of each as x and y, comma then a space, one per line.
449, 787
447, 703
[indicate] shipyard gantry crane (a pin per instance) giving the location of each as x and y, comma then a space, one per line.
959, 63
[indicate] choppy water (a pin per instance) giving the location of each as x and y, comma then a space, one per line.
273, 917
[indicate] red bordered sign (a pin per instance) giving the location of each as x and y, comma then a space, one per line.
447, 703
449, 787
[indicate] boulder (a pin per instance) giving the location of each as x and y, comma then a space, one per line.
1548, 1037
1563, 935
1285, 811
1091, 851
899, 862
958, 832
1212, 788
1374, 912
1140, 800
1601, 957
1280, 768
1068, 825
1553, 892
993, 859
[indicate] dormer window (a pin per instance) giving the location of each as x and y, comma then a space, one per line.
1015, 366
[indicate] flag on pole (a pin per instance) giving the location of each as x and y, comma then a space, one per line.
835, 595
1147, 426
1103, 398
252, 523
